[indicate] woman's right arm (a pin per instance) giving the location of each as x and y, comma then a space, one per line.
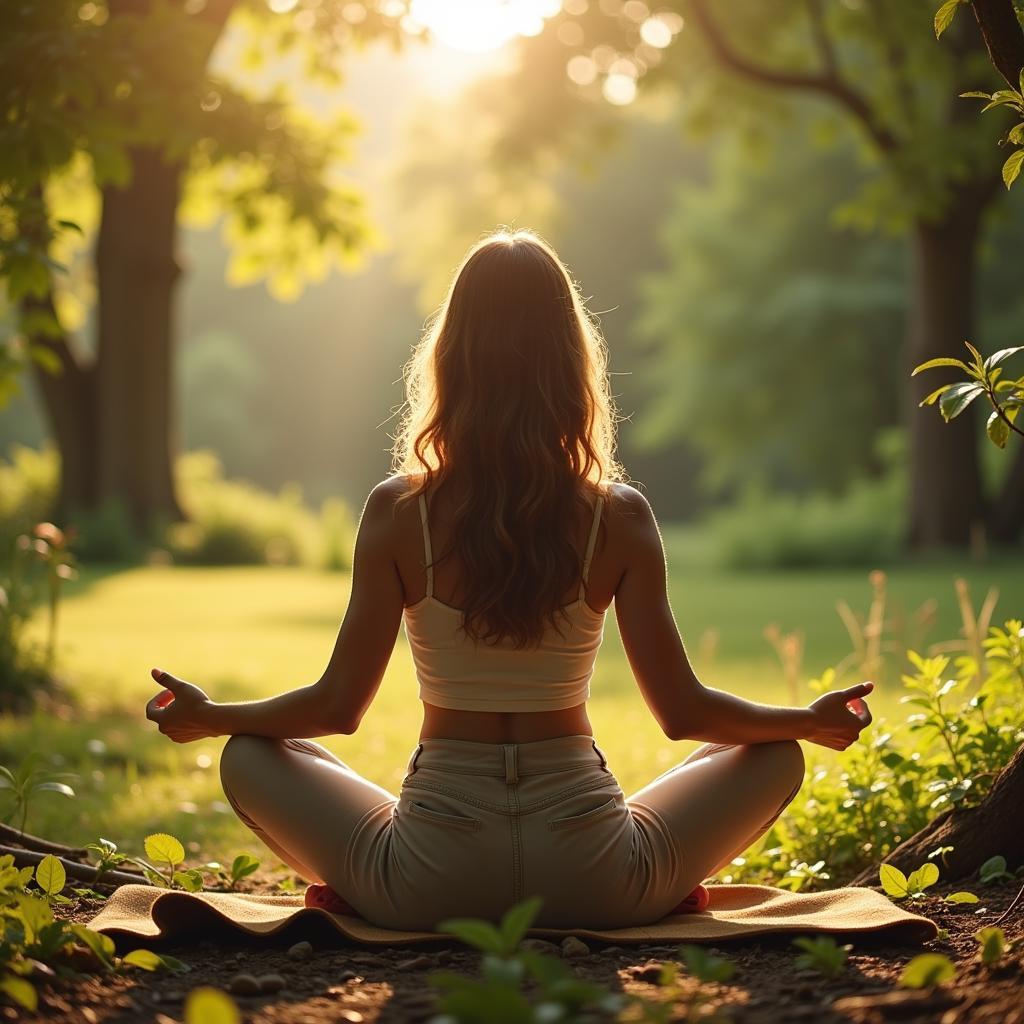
683, 706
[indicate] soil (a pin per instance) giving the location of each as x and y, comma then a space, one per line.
338, 982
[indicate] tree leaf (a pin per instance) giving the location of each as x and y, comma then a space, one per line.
957, 398
944, 16
975, 95
998, 430
926, 875
516, 922
894, 882
993, 944
162, 847
942, 361
479, 934
1001, 356
147, 960
1012, 167
961, 897
50, 875
207, 1005
102, 945
54, 787
21, 991
926, 970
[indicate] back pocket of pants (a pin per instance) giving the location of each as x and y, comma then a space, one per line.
584, 817
419, 810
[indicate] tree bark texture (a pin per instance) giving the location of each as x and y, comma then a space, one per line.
975, 834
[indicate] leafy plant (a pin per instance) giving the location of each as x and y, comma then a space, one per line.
822, 954
166, 850
208, 1005
992, 943
35, 942
241, 867
900, 886
926, 970
1005, 396
107, 855
28, 779
961, 897
705, 965
994, 870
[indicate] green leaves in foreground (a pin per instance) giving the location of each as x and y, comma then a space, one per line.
210, 1006
900, 886
822, 954
926, 970
501, 941
986, 378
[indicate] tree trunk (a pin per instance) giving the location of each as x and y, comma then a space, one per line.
136, 436
974, 833
946, 502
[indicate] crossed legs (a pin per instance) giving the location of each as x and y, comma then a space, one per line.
301, 800
720, 801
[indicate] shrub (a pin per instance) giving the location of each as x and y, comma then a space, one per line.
233, 522
28, 490
861, 527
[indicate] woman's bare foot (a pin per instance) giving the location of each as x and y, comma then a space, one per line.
696, 902
323, 897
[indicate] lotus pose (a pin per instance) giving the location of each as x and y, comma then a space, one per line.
502, 537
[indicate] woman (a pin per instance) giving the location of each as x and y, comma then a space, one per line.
501, 539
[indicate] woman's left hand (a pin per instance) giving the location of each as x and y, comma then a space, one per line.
181, 710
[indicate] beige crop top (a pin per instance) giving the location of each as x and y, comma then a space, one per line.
455, 672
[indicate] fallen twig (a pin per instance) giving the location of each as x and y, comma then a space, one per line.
83, 872
31, 842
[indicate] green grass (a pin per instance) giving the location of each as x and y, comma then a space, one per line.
255, 631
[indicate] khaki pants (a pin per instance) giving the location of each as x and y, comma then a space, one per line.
480, 826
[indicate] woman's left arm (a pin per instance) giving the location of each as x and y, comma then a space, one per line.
337, 701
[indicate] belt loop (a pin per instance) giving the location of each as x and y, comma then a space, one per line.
511, 763
415, 758
599, 752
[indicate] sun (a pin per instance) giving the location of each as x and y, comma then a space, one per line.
481, 25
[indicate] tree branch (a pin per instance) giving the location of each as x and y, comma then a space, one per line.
821, 38
1004, 38
828, 85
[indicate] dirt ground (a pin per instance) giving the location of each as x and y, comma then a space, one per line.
339, 982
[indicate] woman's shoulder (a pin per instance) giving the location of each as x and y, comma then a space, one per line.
387, 498
626, 502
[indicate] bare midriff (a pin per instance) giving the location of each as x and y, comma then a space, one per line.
504, 726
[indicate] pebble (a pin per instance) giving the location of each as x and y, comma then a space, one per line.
573, 947
369, 959
318, 981
415, 963
301, 950
243, 985
540, 946
272, 983
348, 976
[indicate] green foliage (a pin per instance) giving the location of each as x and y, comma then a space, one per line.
1014, 99
233, 522
961, 897
107, 856
822, 954
1006, 396
927, 970
207, 1005
993, 945
900, 886
994, 870
860, 527
498, 994
26, 780
742, 373
964, 727
35, 942
945, 14
705, 965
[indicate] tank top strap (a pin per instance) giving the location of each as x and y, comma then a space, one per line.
427, 553
592, 540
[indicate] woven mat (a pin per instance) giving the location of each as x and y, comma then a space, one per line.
736, 911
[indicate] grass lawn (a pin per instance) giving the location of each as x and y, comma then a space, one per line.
253, 631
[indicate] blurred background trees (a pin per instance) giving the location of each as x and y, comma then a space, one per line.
776, 208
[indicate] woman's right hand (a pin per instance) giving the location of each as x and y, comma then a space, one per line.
837, 718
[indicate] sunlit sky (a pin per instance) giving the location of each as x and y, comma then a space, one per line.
481, 25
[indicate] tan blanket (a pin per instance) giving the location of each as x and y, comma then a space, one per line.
736, 911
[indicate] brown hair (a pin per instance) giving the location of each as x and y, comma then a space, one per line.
507, 394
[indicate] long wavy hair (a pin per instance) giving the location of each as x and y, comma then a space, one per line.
507, 399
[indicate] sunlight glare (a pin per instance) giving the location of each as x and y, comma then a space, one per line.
480, 25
